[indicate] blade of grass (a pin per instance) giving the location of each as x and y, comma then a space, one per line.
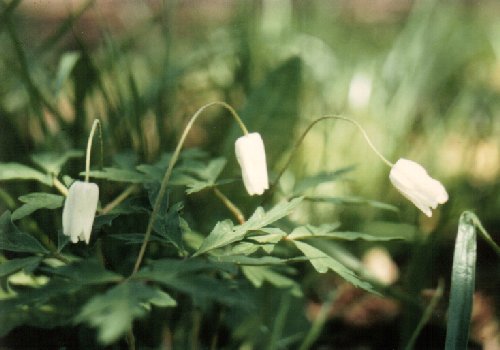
462, 284
426, 315
319, 322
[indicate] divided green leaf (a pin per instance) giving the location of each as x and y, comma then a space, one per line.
112, 313
225, 232
16, 171
35, 201
258, 274
53, 162
12, 239
322, 263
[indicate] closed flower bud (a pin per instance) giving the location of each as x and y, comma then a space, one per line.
414, 183
251, 156
79, 211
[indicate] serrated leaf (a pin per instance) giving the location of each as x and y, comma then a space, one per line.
35, 201
53, 162
261, 219
318, 179
221, 235
12, 239
206, 176
12, 266
225, 232
352, 200
119, 175
463, 277
322, 263
168, 226
258, 274
16, 171
113, 312
328, 231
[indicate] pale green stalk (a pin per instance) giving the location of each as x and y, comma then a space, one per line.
168, 173
301, 139
89, 148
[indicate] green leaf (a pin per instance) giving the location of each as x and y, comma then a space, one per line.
225, 232
168, 226
272, 235
463, 276
192, 276
10, 267
322, 263
66, 65
222, 234
53, 162
16, 171
328, 231
315, 180
35, 201
249, 261
206, 177
112, 313
352, 200
119, 175
17, 241
261, 219
258, 274
86, 272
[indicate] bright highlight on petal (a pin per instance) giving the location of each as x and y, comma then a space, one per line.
414, 183
79, 211
251, 156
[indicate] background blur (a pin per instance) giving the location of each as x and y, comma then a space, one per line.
423, 78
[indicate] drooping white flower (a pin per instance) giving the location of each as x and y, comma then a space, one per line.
414, 183
79, 211
251, 156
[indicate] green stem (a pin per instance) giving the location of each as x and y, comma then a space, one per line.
168, 173
230, 205
89, 148
427, 314
302, 137
486, 236
60, 186
318, 322
121, 197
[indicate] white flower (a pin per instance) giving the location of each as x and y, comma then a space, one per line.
251, 156
414, 183
79, 211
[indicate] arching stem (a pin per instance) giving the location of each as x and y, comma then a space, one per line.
168, 173
301, 139
89, 147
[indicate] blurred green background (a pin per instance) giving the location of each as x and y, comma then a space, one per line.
423, 78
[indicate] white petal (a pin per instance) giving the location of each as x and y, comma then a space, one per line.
79, 210
251, 156
412, 180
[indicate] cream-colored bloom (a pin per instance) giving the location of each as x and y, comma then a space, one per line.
79, 211
414, 183
251, 156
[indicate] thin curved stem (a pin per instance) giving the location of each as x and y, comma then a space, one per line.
168, 173
301, 139
89, 148
230, 205
121, 197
